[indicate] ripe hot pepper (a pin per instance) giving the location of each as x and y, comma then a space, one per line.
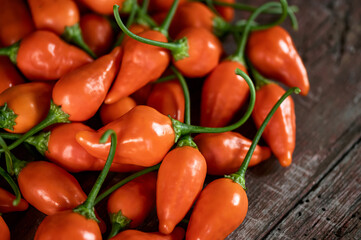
4, 230
9, 75
130, 204
61, 17
15, 21
43, 56
180, 179
81, 92
24, 106
177, 234
274, 55
162, 5
223, 204
230, 152
7, 203
226, 12
167, 97
110, 112
280, 134
105, 7
97, 33
81, 222
144, 137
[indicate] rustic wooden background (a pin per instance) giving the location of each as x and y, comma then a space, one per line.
319, 195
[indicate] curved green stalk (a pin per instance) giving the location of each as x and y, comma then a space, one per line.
13, 186
11, 52
124, 181
168, 19
239, 176
182, 129
130, 21
55, 115
165, 79
8, 159
239, 55
179, 48
187, 102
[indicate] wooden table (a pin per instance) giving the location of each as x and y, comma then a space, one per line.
319, 195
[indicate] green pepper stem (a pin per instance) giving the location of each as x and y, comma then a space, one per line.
179, 48
130, 21
119, 222
259, 79
40, 142
187, 102
182, 129
73, 34
168, 19
13, 186
55, 115
124, 181
239, 176
239, 55
165, 79
8, 159
11, 52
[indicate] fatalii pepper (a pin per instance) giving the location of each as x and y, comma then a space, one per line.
24, 105
4, 230
130, 204
7, 203
168, 98
61, 17
153, 61
43, 56
177, 234
15, 21
145, 135
81, 92
110, 112
223, 203
274, 55
190, 48
280, 134
161, 5
105, 7
230, 152
9, 75
223, 92
81, 222
97, 33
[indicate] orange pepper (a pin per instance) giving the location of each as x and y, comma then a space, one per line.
9, 75
110, 112
104, 7
6, 203
27, 104
177, 234
15, 21
226, 12
4, 230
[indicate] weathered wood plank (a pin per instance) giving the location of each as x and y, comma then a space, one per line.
331, 210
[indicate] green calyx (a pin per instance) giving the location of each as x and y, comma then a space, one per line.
7, 117
86, 212
182, 51
187, 141
18, 165
128, 6
237, 179
11, 52
119, 218
178, 128
220, 26
40, 142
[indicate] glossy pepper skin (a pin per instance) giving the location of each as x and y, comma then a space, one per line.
15, 21
226, 12
135, 199
220, 209
104, 7
192, 14
8, 74
30, 102
144, 137
150, 59
81, 92
65, 151
205, 50
177, 234
4, 230
274, 55
97, 33
168, 99
110, 112
280, 133
223, 94
67, 225
225, 152
54, 15
49, 188
180, 179
43, 56
6, 203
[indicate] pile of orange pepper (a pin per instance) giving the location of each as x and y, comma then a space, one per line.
92, 93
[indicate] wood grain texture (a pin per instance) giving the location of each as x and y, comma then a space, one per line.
327, 156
